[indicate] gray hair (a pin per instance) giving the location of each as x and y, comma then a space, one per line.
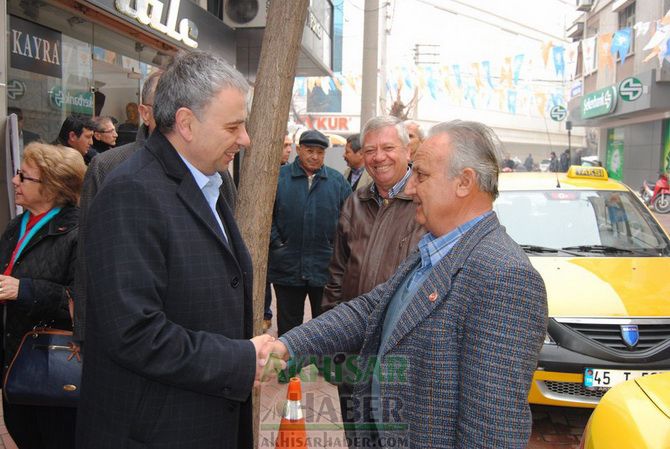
191, 81
149, 87
382, 121
101, 120
419, 130
475, 146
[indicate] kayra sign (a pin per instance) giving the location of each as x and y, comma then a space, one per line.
150, 12
35, 48
600, 102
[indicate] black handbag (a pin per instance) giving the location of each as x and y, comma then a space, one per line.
46, 370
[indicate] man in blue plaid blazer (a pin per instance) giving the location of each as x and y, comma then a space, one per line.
170, 362
449, 343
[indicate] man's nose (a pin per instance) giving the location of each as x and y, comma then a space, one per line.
410, 186
243, 138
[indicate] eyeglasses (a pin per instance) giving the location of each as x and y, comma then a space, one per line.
23, 177
107, 131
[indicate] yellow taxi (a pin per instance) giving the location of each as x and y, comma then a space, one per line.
634, 414
605, 262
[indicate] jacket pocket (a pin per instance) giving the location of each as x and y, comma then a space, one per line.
148, 412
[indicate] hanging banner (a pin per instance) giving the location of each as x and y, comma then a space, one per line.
605, 58
516, 71
486, 65
589, 55
621, 43
615, 147
571, 54
558, 56
641, 28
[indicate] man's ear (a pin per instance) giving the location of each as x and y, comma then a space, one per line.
184, 123
467, 182
145, 112
71, 136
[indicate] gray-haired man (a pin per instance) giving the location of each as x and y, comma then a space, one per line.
170, 361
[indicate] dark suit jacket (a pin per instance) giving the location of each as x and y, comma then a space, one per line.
167, 362
97, 171
458, 365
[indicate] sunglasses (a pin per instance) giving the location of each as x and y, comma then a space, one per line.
23, 177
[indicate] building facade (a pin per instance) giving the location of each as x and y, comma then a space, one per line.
91, 57
623, 93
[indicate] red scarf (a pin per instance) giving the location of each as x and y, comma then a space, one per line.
31, 222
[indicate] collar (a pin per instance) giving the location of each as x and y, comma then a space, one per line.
433, 249
359, 170
200, 178
394, 191
297, 170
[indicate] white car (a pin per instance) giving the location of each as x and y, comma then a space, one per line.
544, 165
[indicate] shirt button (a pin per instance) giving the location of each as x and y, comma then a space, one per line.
235, 282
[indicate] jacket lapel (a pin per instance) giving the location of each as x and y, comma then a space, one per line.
187, 190
435, 289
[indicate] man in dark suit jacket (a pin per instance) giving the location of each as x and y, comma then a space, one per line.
97, 171
449, 344
170, 361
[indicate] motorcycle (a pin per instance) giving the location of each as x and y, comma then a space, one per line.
658, 197
646, 192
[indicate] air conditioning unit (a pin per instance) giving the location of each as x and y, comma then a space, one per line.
576, 30
245, 13
584, 5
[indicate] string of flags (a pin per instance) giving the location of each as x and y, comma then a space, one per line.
529, 83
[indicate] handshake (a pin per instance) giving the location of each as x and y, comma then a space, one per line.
271, 357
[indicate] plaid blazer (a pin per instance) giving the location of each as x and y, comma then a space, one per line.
457, 368
168, 363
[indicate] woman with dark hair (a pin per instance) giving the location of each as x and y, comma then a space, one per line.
37, 253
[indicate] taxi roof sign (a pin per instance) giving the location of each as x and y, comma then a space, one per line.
577, 171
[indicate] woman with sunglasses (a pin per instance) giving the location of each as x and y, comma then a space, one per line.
37, 255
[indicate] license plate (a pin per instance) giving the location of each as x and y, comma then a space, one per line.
606, 378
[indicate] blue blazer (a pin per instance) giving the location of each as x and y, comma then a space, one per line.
458, 366
169, 311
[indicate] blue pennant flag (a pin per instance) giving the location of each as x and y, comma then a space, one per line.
558, 53
471, 95
433, 88
511, 101
457, 75
408, 78
621, 43
486, 65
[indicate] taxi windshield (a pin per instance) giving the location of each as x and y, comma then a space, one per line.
580, 222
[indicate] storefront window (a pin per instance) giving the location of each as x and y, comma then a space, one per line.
60, 63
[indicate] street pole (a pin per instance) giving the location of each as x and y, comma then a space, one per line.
568, 127
369, 94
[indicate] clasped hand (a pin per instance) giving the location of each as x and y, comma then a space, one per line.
271, 357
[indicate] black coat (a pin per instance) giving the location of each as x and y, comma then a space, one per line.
45, 268
167, 361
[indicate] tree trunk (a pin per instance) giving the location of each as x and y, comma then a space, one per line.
267, 127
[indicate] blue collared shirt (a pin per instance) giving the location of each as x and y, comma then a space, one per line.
433, 249
356, 174
393, 191
209, 186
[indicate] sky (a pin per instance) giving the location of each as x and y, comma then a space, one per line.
462, 29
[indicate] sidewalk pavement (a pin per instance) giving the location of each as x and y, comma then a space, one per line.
552, 427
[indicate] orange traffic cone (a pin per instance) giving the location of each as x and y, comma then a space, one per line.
292, 434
